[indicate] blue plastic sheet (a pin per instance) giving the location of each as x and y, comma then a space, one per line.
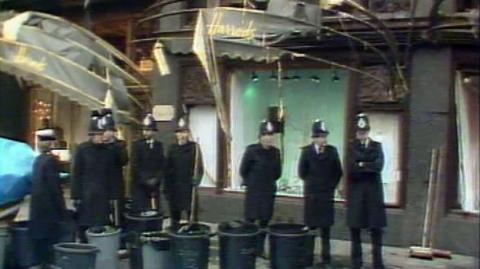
16, 164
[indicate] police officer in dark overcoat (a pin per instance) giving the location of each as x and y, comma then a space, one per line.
260, 169
365, 201
92, 177
118, 148
47, 205
184, 170
321, 170
148, 164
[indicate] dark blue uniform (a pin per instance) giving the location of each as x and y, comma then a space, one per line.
260, 169
321, 173
47, 206
365, 204
365, 200
179, 177
148, 164
92, 183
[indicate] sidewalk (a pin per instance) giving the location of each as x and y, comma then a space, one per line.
395, 258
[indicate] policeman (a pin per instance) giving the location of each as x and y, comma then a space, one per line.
184, 170
260, 168
365, 205
148, 163
119, 150
47, 207
93, 170
320, 168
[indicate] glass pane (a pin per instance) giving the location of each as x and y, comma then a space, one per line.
386, 129
305, 100
203, 124
468, 142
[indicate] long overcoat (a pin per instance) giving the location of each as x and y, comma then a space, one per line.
120, 155
47, 206
260, 168
180, 174
321, 172
92, 183
148, 165
365, 202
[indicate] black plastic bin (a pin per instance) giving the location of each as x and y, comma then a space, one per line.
22, 244
75, 256
291, 246
144, 222
156, 251
190, 246
238, 244
136, 224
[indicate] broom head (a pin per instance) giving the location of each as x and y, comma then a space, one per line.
421, 253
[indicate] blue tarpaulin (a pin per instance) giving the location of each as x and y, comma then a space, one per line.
16, 163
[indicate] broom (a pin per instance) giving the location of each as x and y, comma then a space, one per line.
424, 251
438, 253
193, 207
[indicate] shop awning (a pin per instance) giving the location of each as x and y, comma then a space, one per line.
67, 59
230, 49
244, 34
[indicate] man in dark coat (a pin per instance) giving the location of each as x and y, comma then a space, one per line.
320, 168
365, 204
148, 164
260, 169
93, 165
184, 170
119, 150
47, 206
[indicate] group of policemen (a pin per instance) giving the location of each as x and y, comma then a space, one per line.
97, 179
320, 169
98, 182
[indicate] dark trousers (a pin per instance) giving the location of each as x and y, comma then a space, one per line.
141, 199
263, 224
44, 250
356, 248
325, 235
176, 216
82, 234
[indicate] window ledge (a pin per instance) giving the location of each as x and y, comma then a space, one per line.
459, 214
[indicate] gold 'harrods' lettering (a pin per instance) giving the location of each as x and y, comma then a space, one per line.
217, 28
22, 58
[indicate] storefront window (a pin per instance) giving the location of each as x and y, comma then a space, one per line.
203, 124
307, 95
386, 130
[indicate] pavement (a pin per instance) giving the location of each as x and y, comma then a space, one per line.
395, 258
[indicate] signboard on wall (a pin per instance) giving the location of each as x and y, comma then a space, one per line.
163, 112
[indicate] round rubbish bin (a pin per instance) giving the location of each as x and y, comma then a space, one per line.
136, 224
3, 244
22, 244
238, 244
190, 246
147, 221
290, 246
75, 256
156, 251
107, 240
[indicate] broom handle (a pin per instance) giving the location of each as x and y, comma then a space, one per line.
153, 203
193, 206
436, 200
431, 178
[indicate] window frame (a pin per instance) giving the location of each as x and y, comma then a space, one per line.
452, 192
